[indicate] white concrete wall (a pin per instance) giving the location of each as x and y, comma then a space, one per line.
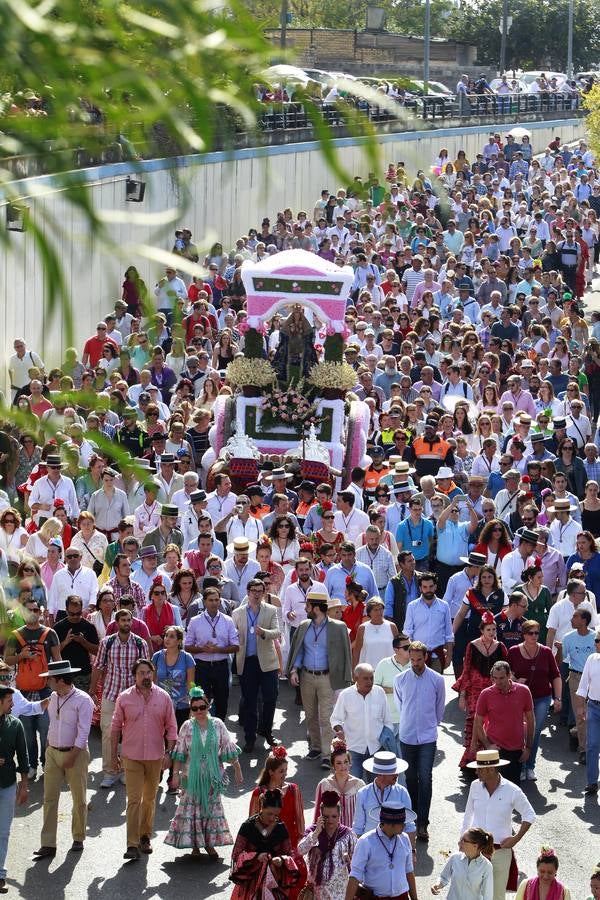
228, 193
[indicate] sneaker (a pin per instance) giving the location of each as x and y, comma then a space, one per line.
122, 777
32, 774
108, 781
313, 754
530, 775
325, 764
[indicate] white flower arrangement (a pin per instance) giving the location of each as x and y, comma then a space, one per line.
333, 375
242, 371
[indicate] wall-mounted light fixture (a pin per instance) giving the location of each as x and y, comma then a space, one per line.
135, 190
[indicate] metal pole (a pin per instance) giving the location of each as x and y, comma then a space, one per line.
426, 47
570, 41
504, 36
283, 32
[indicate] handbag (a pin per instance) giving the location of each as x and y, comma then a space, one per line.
97, 566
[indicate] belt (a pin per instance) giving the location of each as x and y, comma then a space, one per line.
576, 671
596, 702
211, 662
317, 671
62, 749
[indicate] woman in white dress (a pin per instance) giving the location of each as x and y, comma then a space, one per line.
285, 548
374, 639
37, 545
13, 536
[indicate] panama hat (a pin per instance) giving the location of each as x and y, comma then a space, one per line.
487, 759
241, 545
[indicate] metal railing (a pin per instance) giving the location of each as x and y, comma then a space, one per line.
290, 121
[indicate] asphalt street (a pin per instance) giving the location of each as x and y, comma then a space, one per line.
567, 821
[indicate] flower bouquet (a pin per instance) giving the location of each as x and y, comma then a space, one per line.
332, 379
254, 373
289, 408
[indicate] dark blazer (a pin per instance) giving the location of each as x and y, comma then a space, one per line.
338, 652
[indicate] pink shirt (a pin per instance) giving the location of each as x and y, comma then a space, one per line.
70, 719
48, 574
145, 725
137, 627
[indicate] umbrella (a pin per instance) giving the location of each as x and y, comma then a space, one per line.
519, 133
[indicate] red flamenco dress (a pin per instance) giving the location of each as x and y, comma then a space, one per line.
474, 678
292, 816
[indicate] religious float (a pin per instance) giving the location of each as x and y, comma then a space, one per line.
292, 406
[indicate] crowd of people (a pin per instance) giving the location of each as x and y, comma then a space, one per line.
138, 585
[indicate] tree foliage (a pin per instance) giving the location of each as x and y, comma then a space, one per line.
538, 36
591, 101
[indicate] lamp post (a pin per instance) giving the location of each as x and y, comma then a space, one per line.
570, 40
426, 46
504, 33
284, 22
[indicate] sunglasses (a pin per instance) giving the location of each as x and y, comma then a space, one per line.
531, 632
403, 647
160, 593
333, 517
72, 556
9, 521
198, 708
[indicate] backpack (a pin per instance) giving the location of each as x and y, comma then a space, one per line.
137, 640
28, 671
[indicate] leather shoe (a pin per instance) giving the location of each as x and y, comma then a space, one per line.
145, 845
132, 853
248, 747
422, 833
270, 740
591, 789
44, 852
3, 888
77, 846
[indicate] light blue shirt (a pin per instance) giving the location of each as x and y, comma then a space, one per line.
421, 700
430, 624
453, 542
577, 647
412, 592
416, 538
369, 801
313, 652
335, 580
458, 585
371, 864
251, 649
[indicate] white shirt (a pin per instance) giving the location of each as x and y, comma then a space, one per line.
362, 717
18, 369
358, 503
219, 507
589, 686
353, 524
494, 813
146, 518
484, 467
560, 615
44, 491
251, 529
512, 569
564, 537
83, 583
506, 503
468, 879
294, 600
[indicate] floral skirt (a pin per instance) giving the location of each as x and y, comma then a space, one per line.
190, 827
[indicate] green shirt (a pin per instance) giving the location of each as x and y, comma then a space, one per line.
12, 740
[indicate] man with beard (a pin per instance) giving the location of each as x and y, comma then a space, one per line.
144, 720
319, 662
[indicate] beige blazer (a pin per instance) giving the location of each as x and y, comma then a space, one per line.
265, 646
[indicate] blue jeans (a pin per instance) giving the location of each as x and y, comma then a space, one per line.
540, 712
356, 766
419, 777
254, 683
7, 811
567, 714
34, 725
593, 740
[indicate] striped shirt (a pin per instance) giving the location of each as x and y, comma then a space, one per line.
131, 589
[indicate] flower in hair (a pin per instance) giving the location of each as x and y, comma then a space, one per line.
265, 541
325, 506
196, 692
330, 798
338, 746
279, 752
546, 852
537, 561
157, 581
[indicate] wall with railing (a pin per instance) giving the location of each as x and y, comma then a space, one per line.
228, 193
